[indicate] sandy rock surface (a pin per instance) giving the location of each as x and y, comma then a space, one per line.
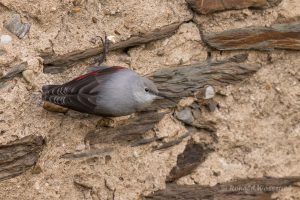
258, 120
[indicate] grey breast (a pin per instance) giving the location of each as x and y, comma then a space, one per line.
115, 97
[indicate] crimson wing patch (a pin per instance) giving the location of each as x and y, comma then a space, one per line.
104, 71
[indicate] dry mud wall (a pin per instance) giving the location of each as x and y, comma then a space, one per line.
246, 136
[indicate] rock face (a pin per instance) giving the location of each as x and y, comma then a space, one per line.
246, 189
210, 6
279, 36
236, 113
14, 71
19, 155
191, 78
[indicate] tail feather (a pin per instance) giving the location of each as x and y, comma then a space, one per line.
59, 100
45, 89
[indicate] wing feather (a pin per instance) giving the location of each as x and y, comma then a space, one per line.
80, 93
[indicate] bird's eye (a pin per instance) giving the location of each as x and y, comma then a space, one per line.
146, 90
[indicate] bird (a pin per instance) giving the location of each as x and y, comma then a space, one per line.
106, 91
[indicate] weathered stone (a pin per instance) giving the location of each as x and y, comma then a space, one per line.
19, 155
208, 92
278, 36
36, 169
209, 126
246, 189
210, 6
210, 104
132, 131
192, 156
15, 71
184, 81
88, 153
185, 116
15, 26
28, 75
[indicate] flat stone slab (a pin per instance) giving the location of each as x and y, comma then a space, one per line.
19, 155
278, 36
192, 156
247, 189
210, 6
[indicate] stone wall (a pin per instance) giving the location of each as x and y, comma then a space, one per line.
247, 51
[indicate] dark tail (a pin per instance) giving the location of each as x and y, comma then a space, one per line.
46, 89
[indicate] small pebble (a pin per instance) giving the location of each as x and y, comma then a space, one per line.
117, 32
209, 92
111, 38
160, 52
54, 108
107, 159
36, 170
37, 187
94, 20
5, 39
28, 75
15, 26
135, 154
76, 9
185, 116
195, 105
196, 113
211, 105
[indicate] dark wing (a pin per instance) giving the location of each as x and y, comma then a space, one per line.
80, 94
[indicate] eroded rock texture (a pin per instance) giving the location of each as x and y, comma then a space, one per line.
132, 130
184, 81
279, 36
247, 189
192, 156
18, 156
253, 129
210, 6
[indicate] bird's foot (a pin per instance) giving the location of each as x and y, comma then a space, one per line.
105, 46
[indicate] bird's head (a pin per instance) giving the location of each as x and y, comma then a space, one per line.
147, 92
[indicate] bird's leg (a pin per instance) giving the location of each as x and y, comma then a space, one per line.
105, 45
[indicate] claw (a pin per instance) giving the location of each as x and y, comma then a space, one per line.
105, 50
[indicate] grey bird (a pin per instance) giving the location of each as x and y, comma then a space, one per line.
106, 91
